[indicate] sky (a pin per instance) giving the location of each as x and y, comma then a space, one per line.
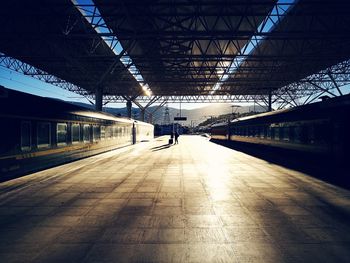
13, 80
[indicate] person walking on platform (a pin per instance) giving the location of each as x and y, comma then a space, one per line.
177, 137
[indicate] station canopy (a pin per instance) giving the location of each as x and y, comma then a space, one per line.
178, 47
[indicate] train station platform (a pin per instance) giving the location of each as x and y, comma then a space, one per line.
192, 202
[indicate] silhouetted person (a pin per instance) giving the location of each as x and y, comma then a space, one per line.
177, 137
171, 138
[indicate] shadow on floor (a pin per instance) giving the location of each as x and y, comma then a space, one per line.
317, 166
161, 147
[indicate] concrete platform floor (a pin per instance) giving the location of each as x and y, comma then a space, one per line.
192, 202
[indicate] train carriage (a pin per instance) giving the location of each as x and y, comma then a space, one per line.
38, 132
320, 128
220, 131
144, 131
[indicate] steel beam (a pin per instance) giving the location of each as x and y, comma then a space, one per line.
128, 108
28, 70
270, 101
307, 90
98, 98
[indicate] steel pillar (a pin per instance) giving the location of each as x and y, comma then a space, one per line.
270, 101
128, 108
142, 117
98, 99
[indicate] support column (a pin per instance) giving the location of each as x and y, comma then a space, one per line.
142, 117
270, 101
128, 108
98, 98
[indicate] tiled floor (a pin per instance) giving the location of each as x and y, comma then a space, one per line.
192, 202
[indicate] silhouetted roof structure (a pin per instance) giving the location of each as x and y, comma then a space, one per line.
180, 47
54, 36
313, 36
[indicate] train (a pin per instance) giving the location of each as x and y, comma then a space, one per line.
319, 129
38, 132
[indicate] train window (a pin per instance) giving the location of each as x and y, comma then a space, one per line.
292, 134
61, 134
250, 131
86, 132
262, 132
103, 132
233, 131
278, 132
43, 134
304, 138
311, 133
273, 133
26, 138
284, 133
268, 132
298, 134
96, 132
115, 131
112, 132
75, 133
257, 131
321, 133
109, 132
